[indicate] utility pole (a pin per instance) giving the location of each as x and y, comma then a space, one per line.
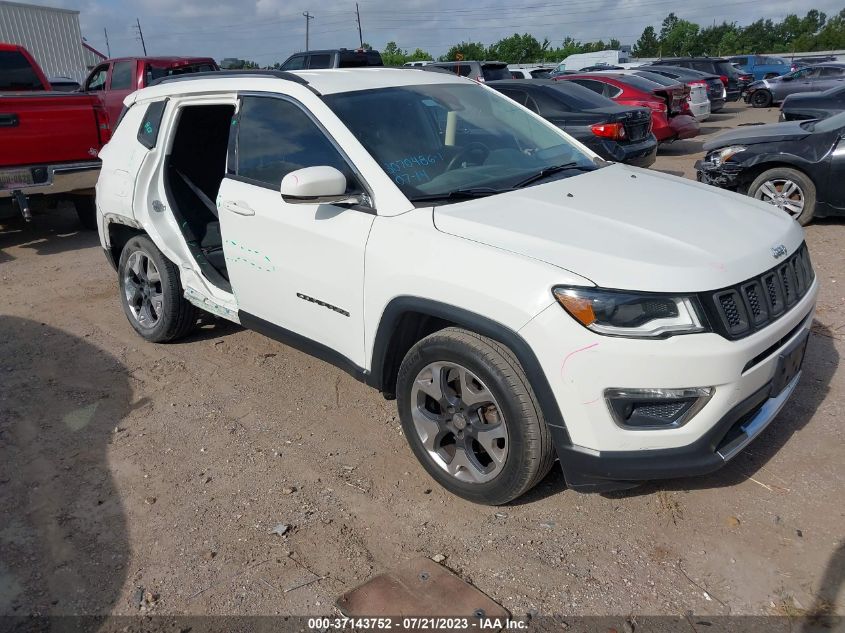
108, 48
141, 35
308, 18
360, 37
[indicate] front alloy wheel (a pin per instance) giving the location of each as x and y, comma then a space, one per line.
471, 417
790, 190
459, 422
785, 194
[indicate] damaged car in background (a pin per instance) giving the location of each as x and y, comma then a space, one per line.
798, 166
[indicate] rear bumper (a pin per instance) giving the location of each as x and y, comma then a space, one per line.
640, 153
54, 179
701, 111
684, 126
716, 104
733, 95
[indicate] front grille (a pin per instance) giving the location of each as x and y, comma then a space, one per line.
740, 310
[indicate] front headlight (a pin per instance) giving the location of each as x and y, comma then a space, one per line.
631, 314
721, 156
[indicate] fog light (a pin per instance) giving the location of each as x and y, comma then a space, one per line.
642, 409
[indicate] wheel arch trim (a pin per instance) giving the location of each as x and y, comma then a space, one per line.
399, 306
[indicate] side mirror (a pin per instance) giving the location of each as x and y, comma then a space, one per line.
316, 185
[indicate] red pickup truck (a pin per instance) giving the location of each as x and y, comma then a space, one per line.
49, 141
114, 79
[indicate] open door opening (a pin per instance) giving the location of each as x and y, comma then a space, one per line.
193, 173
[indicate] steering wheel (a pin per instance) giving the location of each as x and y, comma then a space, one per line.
480, 150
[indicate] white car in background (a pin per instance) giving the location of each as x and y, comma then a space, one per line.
522, 71
521, 298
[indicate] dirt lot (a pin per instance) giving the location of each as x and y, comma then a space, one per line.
129, 468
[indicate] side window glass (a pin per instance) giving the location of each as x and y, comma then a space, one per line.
97, 80
295, 63
612, 92
276, 137
320, 61
121, 76
150, 124
595, 86
830, 71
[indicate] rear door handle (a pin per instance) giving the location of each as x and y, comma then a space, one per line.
9, 120
239, 207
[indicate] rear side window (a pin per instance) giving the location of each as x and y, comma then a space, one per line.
157, 72
463, 70
832, 71
150, 124
494, 72
522, 98
324, 60
276, 137
16, 72
726, 68
121, 76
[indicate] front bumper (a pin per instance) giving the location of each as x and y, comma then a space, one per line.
601, 471
598, 455
727, 175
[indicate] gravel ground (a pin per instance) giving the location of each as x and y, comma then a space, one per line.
139, 477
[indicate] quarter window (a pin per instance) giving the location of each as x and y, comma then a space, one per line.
150, 124
277, 137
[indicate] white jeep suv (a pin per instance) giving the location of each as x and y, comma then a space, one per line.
522, 299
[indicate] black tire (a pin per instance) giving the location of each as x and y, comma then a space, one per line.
530, 452
807, 187
761, 99
86, 210
177, 316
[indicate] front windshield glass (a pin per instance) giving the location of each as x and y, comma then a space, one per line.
440, 139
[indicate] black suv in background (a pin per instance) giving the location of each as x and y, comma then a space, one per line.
712, 65
480, 71
333, 58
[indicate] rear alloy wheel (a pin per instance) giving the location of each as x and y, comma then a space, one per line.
761, 99
789, 190
471, 417
151, 293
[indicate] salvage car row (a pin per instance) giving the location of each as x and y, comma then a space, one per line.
477, 252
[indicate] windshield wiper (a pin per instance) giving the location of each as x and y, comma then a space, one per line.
554, 169
459, 194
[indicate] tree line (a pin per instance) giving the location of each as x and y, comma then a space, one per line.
676, 37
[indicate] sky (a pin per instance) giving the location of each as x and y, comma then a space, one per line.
267, 31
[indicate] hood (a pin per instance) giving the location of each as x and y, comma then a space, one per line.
628, 228
769, 133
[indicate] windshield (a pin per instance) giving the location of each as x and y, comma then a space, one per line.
439, 139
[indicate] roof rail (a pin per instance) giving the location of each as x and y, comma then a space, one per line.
220, 74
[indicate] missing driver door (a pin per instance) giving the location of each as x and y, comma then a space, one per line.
298, 267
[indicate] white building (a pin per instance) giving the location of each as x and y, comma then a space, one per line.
51, 35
